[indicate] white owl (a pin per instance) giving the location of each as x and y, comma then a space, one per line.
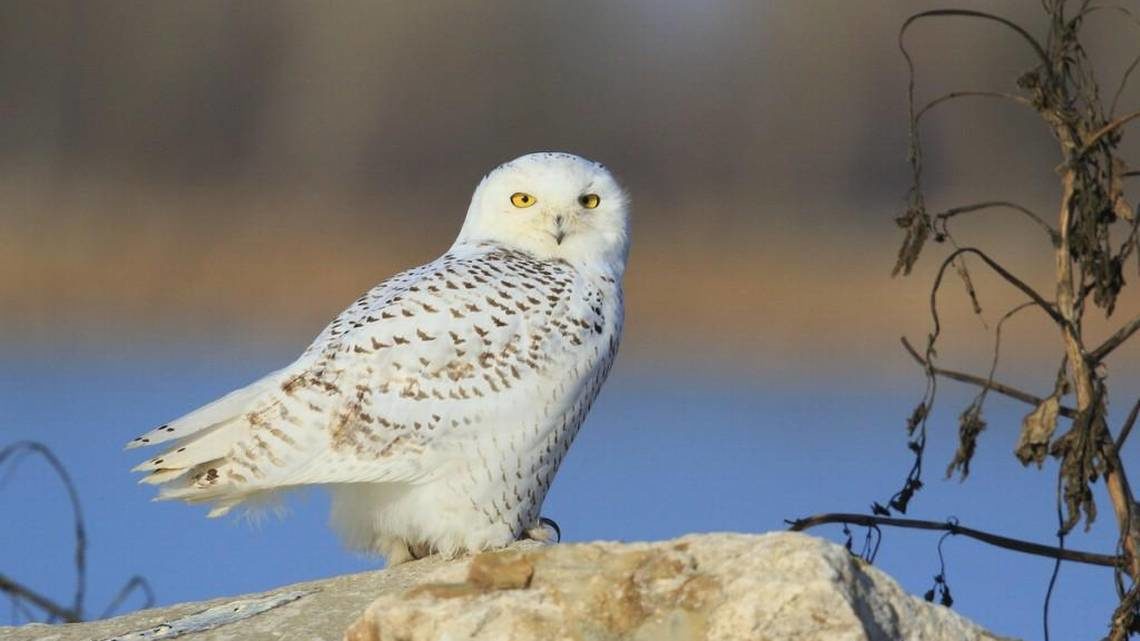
437, 407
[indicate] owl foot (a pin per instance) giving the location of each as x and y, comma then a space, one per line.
395, 551
420, 550
398, 551
545, 531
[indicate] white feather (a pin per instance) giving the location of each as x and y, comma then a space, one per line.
439, 405
223, 409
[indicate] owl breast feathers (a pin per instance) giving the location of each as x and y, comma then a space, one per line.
438, 406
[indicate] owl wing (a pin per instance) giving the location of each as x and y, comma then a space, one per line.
399, 384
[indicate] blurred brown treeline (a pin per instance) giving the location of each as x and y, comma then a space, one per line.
182, 168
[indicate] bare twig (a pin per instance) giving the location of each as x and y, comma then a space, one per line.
19, 608
997, 344
1091, 9
40, 601
966, 13
1001, 388
972, 94
1045, 305
1114, 341
1028, 547
1056, 565
1123, 83
990, 204
1127, 428
77, 515
136, 583
1109, 128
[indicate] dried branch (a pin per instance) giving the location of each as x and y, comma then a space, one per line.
19, 608
1127, 428
40, 601
1125, 619
23, 447
1021, 100
136, 583
1123, 83
1064, 91
1114, 341
966, 13
916, 220
970, 422
1045, 305
990, 204
997, 342
1001, 388
14, 454
1056, 565
1028, 547
1107, 129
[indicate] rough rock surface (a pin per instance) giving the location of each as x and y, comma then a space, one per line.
713, 586
725, 586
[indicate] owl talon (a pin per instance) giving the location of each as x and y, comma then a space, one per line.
547, 531
420, 551
395, 551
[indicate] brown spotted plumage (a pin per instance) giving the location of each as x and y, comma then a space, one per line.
439, 405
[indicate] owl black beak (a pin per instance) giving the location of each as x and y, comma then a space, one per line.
560, 233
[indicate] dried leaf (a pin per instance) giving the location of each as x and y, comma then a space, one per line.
900, 501
1079, 451
916, 418
1116, 192
1036, 431
917, 224
970, 425
1109, 279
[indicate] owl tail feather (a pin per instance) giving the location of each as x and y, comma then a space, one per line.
196, 467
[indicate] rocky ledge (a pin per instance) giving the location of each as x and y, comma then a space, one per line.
709, 587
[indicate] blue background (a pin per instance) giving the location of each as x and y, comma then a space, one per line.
661, 455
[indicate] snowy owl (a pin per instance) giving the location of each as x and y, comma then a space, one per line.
438, 406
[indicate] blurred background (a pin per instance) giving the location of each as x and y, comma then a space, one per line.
189, 191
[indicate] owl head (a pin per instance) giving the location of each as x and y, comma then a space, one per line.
553, 206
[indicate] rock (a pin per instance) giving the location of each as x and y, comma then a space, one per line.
716, 586
322, 614
712, 586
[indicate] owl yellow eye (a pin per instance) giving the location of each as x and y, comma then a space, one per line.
521, 200
589, 201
